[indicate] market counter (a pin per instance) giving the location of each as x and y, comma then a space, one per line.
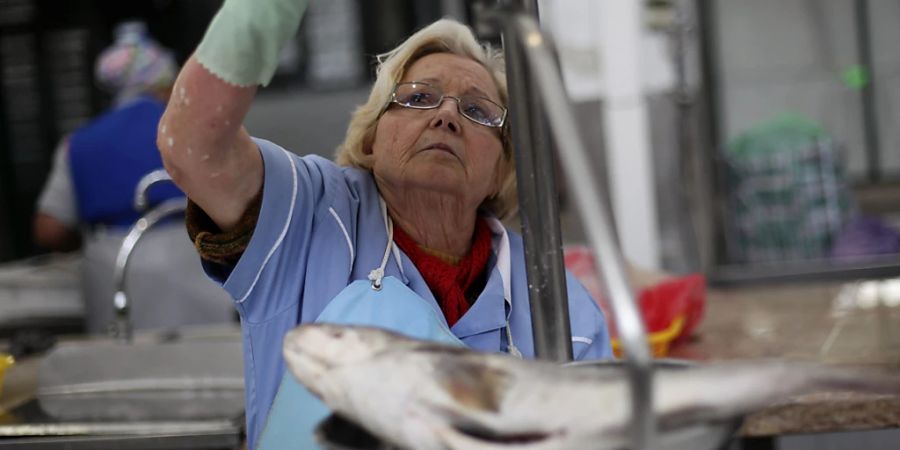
801, 322
831, 323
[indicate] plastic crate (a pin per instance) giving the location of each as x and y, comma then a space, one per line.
659, 341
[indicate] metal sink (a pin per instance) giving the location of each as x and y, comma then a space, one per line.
188, 375
192, 373
41, 292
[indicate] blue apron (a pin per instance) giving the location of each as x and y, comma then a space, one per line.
380, 301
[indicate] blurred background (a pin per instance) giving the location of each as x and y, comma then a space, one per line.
752, 143
769, 124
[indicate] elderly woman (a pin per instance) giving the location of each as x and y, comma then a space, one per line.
404, 232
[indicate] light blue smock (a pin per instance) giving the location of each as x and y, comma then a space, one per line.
319, 229
380, 301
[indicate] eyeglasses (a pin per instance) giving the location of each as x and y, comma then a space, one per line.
419, 95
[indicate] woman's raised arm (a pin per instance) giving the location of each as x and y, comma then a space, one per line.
204, 147
203, 144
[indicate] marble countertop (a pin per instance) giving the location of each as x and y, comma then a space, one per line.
807, 322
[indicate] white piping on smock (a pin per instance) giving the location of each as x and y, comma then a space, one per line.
346, 236
582, 339
284, 230
503, 258
505, 267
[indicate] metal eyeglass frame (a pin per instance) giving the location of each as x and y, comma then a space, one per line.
441, 102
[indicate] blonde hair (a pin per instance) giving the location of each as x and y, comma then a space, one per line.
443, 36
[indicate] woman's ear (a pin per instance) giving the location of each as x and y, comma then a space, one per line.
500, 171
369, 141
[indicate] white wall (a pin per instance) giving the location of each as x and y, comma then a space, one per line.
789, 55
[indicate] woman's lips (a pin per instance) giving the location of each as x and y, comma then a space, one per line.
440, 146
443, 148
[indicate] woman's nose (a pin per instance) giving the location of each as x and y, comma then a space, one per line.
447, 115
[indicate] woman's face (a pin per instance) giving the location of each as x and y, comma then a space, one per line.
439, 149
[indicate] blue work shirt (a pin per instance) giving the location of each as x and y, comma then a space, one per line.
319, 229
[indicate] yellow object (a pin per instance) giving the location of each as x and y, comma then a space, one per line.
5, 362
659, 341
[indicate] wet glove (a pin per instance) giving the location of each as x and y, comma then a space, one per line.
242, 43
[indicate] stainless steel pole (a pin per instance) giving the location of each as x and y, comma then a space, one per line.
539, 210
530, 7
871, 133
583, 185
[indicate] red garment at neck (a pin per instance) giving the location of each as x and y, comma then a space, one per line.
449, 283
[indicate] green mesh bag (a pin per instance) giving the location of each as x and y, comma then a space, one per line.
787, 192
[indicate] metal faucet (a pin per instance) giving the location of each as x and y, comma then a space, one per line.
121, 326
144, 185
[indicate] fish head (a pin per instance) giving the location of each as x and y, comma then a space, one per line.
313, 351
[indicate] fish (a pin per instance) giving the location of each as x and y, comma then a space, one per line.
424, 395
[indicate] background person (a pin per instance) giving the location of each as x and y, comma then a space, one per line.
87, 201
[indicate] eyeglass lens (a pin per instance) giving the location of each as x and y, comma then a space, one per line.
425, 96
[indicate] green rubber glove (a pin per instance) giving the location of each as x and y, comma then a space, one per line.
242, 43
